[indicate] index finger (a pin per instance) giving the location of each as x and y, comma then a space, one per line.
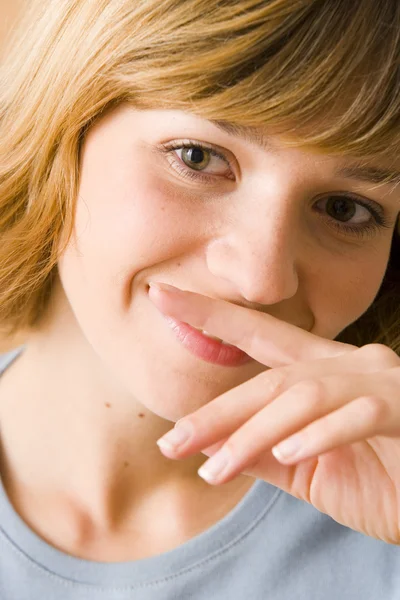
265, 338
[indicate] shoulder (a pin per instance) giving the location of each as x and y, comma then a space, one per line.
8, 357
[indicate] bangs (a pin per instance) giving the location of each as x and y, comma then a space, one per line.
325, 72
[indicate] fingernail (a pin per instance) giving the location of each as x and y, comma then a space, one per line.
288, 448
175, 438
215, 465
164, 286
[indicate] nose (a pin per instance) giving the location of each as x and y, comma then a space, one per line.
258, 255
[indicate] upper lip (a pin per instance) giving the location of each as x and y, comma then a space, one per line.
248, 305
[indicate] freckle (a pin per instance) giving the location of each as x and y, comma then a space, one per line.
141, 415
126, 464
108, 404
179, 264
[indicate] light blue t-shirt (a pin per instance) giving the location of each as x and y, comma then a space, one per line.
271, 546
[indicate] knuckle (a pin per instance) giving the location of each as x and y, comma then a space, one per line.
313, 388
275, 381
310, 395
380, 354
372, 408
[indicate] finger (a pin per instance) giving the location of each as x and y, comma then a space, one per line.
225, 414
358, 420
210, 450
267, 339
292, 411
222, 416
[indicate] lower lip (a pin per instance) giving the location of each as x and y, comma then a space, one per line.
206, 348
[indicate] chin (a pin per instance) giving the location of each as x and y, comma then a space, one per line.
174, 401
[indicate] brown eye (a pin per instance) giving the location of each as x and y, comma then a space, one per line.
195, 158
353, 216
341, 208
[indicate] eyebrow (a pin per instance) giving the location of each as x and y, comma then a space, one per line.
246, 132
369, 174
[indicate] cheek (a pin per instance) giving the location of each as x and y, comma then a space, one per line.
347, 289
123, 232
125, 224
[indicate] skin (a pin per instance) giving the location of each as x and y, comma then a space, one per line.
322, 423
106, 376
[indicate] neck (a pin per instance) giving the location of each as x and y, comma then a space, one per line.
72, 434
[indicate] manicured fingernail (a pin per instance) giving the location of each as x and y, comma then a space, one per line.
165, 286
213, 468
176, 437
288, 448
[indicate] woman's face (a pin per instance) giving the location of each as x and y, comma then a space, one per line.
279, 230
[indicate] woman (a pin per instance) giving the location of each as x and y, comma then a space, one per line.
245, 154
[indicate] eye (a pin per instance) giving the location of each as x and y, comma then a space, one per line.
344, 208
195, 158
198, 161
348, 214
353, 215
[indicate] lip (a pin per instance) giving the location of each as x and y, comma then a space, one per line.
206, 348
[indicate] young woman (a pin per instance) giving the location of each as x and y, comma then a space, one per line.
172, 172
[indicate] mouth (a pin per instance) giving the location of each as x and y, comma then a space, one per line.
210, 335
206, 347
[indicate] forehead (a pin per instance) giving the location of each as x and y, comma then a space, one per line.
368, 170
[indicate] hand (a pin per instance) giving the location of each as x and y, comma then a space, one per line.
322, 424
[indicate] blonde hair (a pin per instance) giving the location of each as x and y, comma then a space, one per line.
326, 71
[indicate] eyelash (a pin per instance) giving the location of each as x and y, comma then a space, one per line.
379, 220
